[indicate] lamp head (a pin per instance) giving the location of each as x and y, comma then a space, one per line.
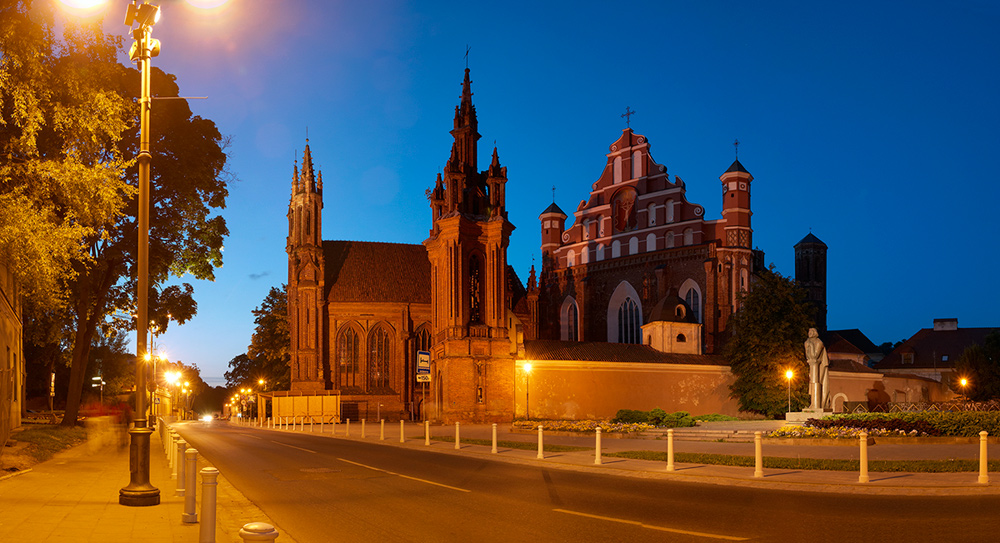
527, 367
789, 374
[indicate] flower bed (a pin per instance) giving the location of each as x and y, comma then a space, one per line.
840, 432
581, 426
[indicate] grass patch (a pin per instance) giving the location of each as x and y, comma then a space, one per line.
523, 445
39, 443
778, 462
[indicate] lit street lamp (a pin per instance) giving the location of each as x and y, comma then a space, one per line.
139, 491
964, 382
527, 390
788, 377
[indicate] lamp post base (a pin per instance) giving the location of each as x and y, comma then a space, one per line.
139, 492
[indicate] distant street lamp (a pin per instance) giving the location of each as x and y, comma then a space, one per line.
139, 491
788, 377
527, 390
964, 382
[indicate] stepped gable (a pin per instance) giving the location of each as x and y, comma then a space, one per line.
365, 271
595, 351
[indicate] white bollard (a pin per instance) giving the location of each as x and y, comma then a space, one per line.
179, 467
347, 431
381, 430
670, 449
597, 449
758, 470
190, 515
984, 477
427, 432
863, 438
310, 424
209, 489
494, 449
362, 428
458, 444
258, 531
172, 454
402, 436
541, 454
322, 421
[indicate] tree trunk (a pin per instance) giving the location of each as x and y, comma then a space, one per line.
88, 311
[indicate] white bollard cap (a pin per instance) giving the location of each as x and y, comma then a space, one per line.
258, 531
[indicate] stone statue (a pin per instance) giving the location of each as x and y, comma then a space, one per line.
819, 371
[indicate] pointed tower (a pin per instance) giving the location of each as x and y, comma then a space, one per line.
735, 254
810, 273
467, 249
305, 277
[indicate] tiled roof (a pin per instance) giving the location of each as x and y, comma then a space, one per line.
737, 167
553, 209
849, 366
855, 337
594, 351
365, 271
929, 347
810, 238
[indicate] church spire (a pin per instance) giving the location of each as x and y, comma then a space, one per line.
465, 132
308, 181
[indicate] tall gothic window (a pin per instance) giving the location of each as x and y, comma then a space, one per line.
475, 291
629, 322
347, 358
378, 360
572, 319
694, 303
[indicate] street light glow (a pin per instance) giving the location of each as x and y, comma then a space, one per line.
789, 374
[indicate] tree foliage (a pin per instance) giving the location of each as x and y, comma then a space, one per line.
980, 364
68, 217
766, 336
267, 356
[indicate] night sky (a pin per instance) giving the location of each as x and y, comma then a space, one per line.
874, 125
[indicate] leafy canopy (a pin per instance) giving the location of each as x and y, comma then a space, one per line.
766, 336
267, 356
980, 364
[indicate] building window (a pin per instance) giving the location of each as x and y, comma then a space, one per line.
347, 357
670, 211
691, 293
681, 338
688, 236
651, 214
907, 358
570, 258
636, 164
668, 240
629, 322
616, 249
600, 252
569, 317
618, 170
475, 291
378, 360
633, 246
650, 243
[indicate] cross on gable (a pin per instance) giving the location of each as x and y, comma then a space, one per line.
627, 116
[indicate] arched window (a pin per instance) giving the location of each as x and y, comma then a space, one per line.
636, 164
681, 338
379, 350
668, 240
600, 252
629, 322
475, 291
618, 170
651, 214
670, 211
688, 236
347, 358
650, 243
586, 229
584, 255
624, 317
633, 246
691, 293
616, 249
570, 258
569, 320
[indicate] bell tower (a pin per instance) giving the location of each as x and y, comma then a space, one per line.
467, 249
305, 277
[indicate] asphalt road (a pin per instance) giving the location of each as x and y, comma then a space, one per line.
323, 489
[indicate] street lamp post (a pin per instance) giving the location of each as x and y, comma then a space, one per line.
139, 491
788, 377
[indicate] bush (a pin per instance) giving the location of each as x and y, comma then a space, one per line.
935, 423
630, 416
656, 417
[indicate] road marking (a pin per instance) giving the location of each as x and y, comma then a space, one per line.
251, 435
292, 446
405, 476
651, 527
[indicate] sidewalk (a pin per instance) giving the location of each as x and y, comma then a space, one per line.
73, 497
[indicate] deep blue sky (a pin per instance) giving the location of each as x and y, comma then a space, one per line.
874, 124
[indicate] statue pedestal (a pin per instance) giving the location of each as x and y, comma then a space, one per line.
799, 417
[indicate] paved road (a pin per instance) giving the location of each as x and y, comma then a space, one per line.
318, 489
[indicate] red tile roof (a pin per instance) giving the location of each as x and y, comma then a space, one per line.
929, 347
593, 351
365, 271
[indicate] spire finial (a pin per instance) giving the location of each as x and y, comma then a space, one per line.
467, 49
736, 147
628, 116
307, 135
553, 194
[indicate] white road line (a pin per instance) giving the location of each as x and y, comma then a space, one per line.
251, 435
651, 527
292, 446
405, 476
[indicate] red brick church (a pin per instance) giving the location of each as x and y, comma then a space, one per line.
639, 265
